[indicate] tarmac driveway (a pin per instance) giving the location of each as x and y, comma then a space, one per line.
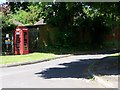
69, 72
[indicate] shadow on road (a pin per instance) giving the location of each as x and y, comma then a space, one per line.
80, 68
107, 66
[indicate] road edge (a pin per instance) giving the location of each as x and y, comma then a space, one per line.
98, 78
33, 62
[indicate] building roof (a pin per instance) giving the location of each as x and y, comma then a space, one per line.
41, 22
17, 23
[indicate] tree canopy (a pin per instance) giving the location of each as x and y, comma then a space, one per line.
66, 16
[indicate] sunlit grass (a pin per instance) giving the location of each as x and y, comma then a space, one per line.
24, 58
116, 54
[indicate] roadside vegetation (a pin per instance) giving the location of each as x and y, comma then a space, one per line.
74, 21
10, 59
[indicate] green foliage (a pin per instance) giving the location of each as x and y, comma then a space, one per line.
6, 24
27, 17
64, 39
26, 13
68, 17
110, 11
95, 17
14, 6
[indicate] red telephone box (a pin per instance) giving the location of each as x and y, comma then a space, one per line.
21, 40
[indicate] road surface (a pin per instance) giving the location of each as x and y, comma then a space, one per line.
69, 72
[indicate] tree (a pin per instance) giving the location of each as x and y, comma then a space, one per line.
110, 11
27, 13
68, 17
28, 16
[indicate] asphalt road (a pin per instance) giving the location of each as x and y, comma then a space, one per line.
69, 72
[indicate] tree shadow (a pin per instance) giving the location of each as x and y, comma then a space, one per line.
82, 69
108, 66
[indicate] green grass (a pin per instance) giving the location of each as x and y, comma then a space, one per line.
116, 54
10, 59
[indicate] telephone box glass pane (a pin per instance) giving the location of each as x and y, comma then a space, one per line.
25, 41
18, 41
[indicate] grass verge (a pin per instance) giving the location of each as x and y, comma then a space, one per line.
116, 54
11, 59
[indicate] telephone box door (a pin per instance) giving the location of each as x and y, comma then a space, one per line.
17, 42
